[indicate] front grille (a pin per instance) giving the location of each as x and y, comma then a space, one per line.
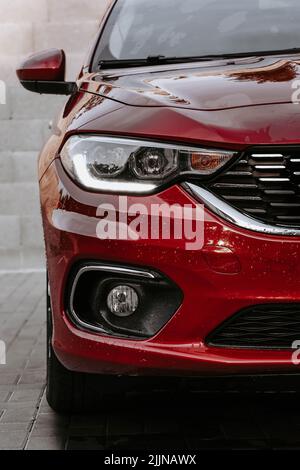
260, 327
265, 184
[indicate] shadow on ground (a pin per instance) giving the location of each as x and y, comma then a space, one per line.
190, 421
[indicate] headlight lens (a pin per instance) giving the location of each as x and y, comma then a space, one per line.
134, 166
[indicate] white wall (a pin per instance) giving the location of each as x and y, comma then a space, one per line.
27, 26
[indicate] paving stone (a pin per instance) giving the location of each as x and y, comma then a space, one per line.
50, 431
18, 406
21, 396
33, 377
8, 378
12, 440
19, 415
46, 420
9, 427
46, 442
9, 284
44, 407
22, 346
37, 361
26, 296
30, 332
16, 361
4, 395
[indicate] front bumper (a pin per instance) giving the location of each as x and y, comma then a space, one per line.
260, 269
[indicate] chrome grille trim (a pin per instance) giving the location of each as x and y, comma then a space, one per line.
286, 192
232, 215
270, 167
267, 155
234, 185
239, 173
243, 198
274, 180
264, 182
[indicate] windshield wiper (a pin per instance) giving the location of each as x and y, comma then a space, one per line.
150, 60
161, 59
236, 55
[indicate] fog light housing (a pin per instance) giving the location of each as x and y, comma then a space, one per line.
123, 301
119, 300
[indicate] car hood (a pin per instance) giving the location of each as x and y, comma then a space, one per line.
205, 86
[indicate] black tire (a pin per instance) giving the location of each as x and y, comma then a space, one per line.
74, 392
65, 389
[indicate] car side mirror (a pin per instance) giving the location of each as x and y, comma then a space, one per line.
44, 73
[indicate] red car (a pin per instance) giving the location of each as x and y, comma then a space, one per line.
180, 105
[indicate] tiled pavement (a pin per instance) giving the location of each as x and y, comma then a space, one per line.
145, 421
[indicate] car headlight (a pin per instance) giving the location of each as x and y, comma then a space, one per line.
121, 165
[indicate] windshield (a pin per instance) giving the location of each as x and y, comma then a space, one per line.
137, 29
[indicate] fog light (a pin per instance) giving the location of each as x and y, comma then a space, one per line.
122, 301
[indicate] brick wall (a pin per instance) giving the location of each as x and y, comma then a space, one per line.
27, 26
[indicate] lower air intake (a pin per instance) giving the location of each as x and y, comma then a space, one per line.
260, 327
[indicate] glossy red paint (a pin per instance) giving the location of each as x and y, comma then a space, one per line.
47, 65
251, 269
217, 104
269, 273
204, 86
